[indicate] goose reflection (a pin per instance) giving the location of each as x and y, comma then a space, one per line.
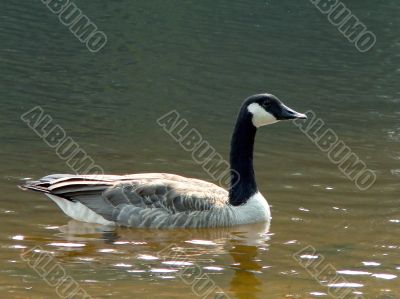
245, 282
244, 244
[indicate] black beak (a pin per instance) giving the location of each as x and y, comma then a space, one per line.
287, 113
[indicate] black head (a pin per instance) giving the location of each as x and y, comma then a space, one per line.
267, 109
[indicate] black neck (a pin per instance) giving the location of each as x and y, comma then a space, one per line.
243, 182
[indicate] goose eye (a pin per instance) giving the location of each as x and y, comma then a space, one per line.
266, 105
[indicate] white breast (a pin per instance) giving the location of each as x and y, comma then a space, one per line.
256, 209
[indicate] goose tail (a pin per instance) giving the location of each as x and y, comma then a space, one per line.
77, 195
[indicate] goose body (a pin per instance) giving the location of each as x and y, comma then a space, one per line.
161, 200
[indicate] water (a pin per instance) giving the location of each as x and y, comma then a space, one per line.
202, 58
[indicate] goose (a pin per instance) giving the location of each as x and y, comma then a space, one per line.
162, 200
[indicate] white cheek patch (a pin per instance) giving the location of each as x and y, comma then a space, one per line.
260, 116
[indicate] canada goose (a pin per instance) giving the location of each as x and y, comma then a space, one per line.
161, 200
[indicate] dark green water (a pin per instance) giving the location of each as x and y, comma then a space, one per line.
203, 58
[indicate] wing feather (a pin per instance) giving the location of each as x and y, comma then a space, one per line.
139, 200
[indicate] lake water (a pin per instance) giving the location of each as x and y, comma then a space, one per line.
327, 238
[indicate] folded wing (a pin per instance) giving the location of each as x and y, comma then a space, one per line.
140, 200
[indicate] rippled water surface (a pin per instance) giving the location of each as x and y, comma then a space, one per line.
327, 238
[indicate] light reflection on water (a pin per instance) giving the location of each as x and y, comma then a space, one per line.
139, 253
203, 58
239, 260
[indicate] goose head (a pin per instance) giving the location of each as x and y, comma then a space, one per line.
266, 109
